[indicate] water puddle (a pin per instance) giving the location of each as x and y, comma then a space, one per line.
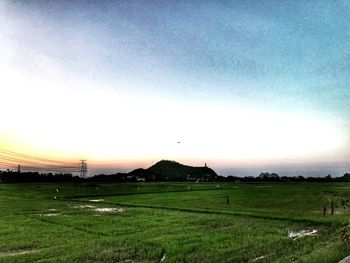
262, 257
302, 233
258, 258
100, 209
49, 214
96, 200
345, 260
109, 210
84, 206
17, 252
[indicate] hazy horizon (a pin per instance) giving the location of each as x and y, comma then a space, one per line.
228, 84
240, 170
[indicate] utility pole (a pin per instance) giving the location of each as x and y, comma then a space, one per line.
83, 168
19, 168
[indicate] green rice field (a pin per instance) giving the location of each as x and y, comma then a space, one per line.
174, 222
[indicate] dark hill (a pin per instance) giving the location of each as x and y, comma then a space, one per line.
173, 171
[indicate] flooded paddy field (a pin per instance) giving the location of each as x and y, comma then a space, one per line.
174, 222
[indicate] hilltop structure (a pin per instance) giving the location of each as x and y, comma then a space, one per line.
166, 170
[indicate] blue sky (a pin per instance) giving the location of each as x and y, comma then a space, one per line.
235, 65
295, 52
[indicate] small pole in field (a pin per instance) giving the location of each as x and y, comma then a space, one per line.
332, 207
227, 199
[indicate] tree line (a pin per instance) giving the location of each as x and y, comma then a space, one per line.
9, 176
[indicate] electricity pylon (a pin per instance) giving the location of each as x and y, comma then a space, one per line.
83, 168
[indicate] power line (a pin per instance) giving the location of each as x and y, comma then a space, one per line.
8, 164
39, 164
31, 168
32, 157
51, 168
11, 159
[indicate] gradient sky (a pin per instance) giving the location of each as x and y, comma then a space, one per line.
238, 83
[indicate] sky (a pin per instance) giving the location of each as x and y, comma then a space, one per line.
239, 85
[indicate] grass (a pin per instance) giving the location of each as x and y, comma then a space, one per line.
180, 222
